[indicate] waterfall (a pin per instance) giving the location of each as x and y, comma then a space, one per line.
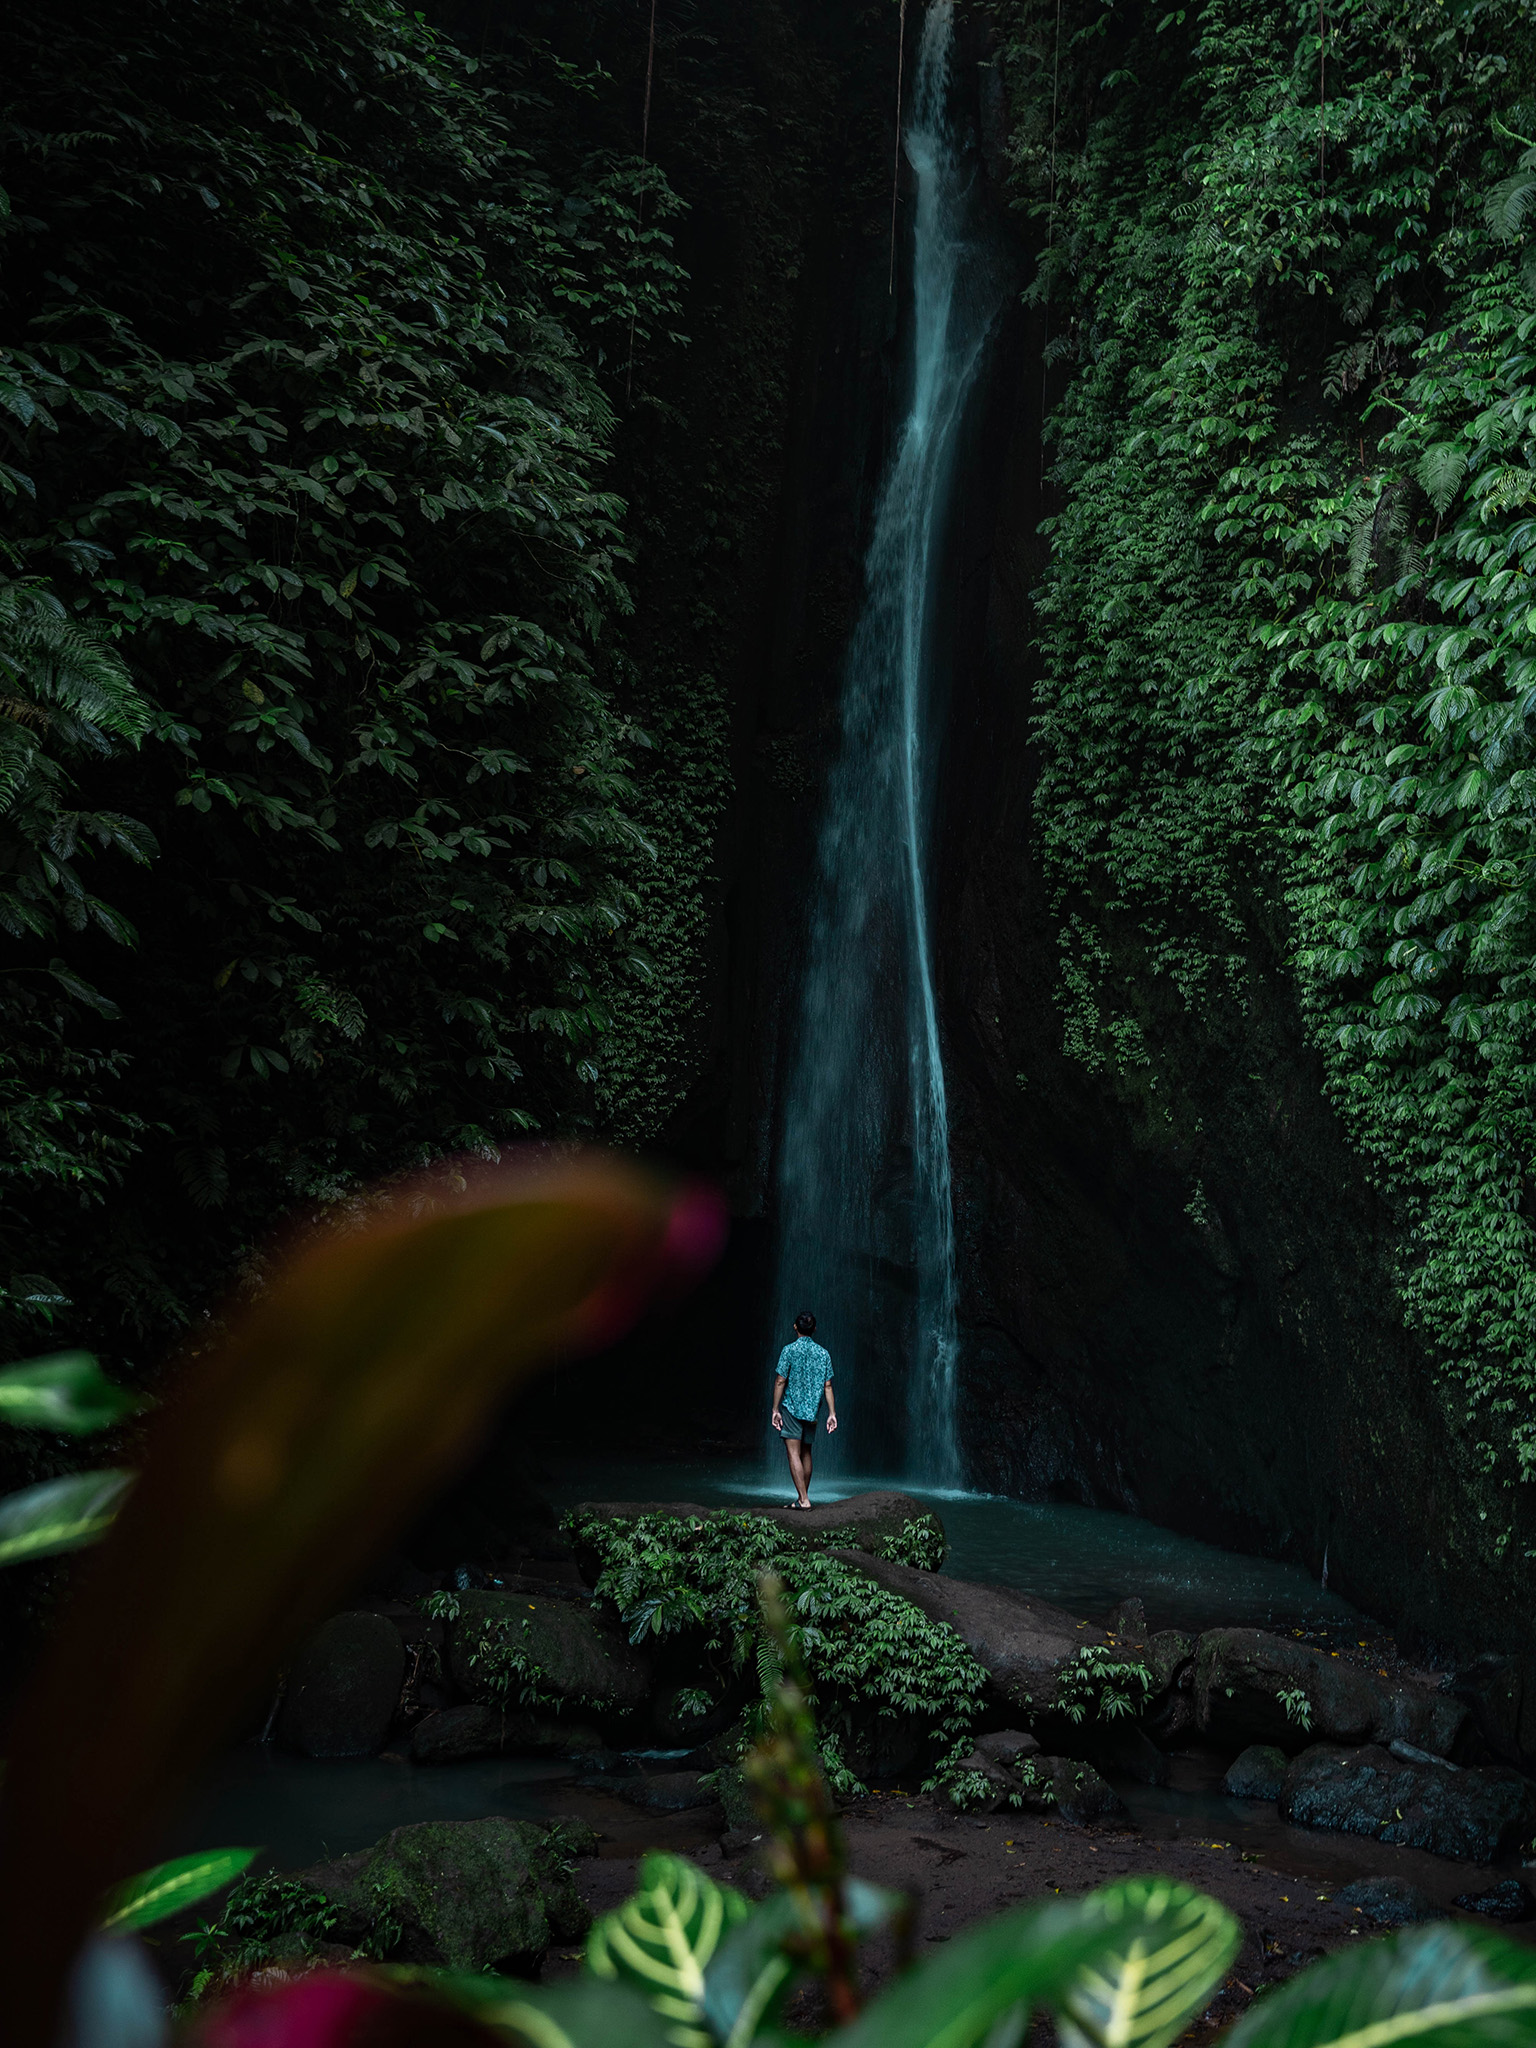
864, 1198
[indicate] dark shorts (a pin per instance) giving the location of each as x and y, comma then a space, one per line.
795, 1430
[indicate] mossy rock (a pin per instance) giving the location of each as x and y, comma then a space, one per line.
507, 1650
461, 1895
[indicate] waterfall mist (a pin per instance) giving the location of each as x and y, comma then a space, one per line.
865, 1214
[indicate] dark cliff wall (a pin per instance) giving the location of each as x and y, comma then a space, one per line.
1178, 1293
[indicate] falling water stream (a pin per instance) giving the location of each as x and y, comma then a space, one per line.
867, 1224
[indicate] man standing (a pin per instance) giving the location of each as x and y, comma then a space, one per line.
803, 1375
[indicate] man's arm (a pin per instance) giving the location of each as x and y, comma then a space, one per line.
831, 1409
780, 1382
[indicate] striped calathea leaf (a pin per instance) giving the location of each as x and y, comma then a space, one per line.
1441, 1986
662, 1940
1165, 1950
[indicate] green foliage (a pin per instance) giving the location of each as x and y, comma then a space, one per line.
1095, 1681
921, 1543
503, 1657
1298, 1708
1439, 1984
661, 1941
1169, 1946
171, 1887
313, 567
68, 1392
870, 1655
262, 1917
1287, 677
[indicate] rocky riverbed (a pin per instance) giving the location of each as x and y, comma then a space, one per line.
1319, 1791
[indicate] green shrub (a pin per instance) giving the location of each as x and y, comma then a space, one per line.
870, 1655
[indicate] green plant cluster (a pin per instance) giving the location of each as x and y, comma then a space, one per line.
1096, 1681
1286, 622
318, 836
870, 1655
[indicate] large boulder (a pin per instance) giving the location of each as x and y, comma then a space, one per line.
453, 1734
505, 1650
1254, 1687
1473, 1814
1022, 1642
884, 1524
461, 1895
343, 1687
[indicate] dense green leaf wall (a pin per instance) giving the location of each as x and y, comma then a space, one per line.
321, 845
1288, 645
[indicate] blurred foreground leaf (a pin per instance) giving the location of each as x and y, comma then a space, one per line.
1029, 1957
156, 1894
585, 2013
292, 1443
1166, 1949
67, 1392
61, 1514
662, 1940
1443, 1986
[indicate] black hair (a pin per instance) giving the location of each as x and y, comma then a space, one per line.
805, 1323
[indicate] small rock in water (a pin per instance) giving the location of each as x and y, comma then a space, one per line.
1389, 1901
1257, 1773
668, 1791
1507, 1901
1128, 1618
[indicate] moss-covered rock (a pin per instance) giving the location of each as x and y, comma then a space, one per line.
461, 1895
506, 1650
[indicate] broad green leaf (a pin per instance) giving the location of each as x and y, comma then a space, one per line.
663, 1939
751, 1974
1031, 1956
585, 2013
310, 1422
68, 1392
1443, 1986
156, 1894
61, 1514
1168, 1948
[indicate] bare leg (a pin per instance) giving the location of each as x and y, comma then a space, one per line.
806, 1449
798, 1466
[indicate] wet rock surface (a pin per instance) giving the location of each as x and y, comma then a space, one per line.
1249, 1685
1507, 1901
1022, 1642
462, 1895
343, 1688
1389, 1901
1474, 1814
1257, 1774
453, 1734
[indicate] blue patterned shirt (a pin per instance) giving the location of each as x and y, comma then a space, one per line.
807, 1367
